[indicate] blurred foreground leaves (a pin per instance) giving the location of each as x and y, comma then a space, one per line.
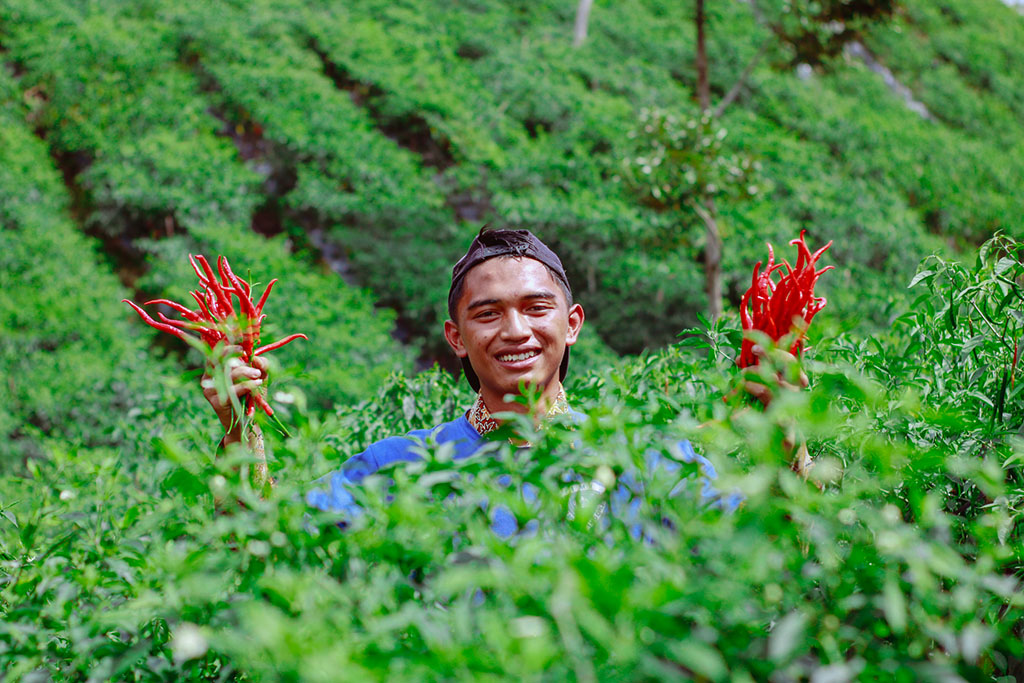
898, 558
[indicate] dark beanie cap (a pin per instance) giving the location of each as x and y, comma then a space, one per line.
491, 244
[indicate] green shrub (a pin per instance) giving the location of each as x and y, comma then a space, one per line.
871, 569
71, 365
156, 165
396, 128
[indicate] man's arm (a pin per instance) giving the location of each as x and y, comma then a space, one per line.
244, 379
785, 362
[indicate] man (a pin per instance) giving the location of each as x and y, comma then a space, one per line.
512, 323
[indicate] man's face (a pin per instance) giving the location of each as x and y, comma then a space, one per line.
513, 323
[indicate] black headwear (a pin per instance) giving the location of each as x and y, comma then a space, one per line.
490, 244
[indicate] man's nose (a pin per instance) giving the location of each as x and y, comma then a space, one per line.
515, 326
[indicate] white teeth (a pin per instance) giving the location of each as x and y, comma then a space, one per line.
513, 357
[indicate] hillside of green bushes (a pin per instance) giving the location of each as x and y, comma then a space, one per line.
351, 150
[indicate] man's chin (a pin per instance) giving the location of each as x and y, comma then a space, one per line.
524, 386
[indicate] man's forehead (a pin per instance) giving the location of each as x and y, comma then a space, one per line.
508, 277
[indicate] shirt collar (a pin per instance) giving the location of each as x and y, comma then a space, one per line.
484, 423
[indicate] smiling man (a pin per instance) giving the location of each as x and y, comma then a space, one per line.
512, 323
512, 319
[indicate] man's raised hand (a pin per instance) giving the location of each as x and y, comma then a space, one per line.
238, 378
788, 374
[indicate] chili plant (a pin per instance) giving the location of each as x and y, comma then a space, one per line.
967, 329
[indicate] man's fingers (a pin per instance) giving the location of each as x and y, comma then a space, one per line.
262, 364
783, 357
784, 361
244, 372
776, 355
243, 388
759, 391
222, 352
238, 388
243, 380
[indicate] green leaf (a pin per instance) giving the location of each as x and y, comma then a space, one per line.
973, 343
701, 659
1004, 264
786, 636
894, 605
921, 277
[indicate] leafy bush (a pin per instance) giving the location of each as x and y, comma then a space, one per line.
71, 366
395, 128
156, 166
873, 568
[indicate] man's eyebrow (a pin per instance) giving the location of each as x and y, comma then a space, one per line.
481, 302
542, 294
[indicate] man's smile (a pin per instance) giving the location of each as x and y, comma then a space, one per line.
518, 357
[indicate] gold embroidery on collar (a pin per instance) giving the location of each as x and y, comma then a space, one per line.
484, 423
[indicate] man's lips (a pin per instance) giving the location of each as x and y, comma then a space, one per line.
518, 356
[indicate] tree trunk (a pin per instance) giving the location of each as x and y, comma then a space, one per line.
737, 87
705, 207
712, 256
703, 89
579, 34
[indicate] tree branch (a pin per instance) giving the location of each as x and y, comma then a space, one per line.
734, 92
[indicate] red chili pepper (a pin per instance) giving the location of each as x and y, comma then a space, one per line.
262, 403
189, 315
278, 344
218, 292
149, 321
216, 321
776, 309
266, 293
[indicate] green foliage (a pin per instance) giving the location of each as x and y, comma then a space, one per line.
151, 164
397, 128
70, 364
815, 30
679, 162
896, 560
392, 129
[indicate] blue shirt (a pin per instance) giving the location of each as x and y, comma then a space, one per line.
333, 492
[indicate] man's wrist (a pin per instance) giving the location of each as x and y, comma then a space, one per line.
231, 436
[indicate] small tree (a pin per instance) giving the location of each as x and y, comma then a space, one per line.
816, 30
678, 163
681, 166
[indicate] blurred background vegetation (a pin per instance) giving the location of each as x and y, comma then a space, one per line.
352, 149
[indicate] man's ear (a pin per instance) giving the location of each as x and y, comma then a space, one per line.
454, 339
576, 318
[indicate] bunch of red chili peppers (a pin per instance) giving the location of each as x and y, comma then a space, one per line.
218, 320
778, 309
